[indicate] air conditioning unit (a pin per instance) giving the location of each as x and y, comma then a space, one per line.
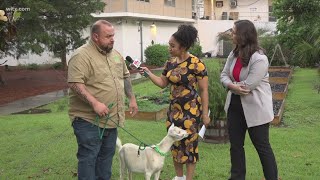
233, 3
194, 15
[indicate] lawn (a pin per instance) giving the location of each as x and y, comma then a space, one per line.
44, 147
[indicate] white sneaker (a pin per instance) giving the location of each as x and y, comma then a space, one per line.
179, 178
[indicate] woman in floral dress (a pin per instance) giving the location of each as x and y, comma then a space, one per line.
186, 74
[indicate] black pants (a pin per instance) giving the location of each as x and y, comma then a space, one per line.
259, 136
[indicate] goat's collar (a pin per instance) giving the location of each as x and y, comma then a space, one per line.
157, 149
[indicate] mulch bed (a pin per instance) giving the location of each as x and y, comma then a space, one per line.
21, 83
35, 111
278, 87
156, 100
276, 106
279, 74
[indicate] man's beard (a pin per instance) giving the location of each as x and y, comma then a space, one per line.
107, 49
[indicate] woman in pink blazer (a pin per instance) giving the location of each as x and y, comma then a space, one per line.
249, 101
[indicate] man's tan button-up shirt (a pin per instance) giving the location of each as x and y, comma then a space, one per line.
103, 75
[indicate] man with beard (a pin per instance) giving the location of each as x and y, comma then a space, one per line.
98, 78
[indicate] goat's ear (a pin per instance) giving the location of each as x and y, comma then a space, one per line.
171, 127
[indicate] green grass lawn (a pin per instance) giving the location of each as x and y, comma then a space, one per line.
44, 147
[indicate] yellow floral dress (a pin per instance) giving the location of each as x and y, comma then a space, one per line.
185, 105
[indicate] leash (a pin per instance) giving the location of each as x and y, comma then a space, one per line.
156, 148
105, 125
142, 145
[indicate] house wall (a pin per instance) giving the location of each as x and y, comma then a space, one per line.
115, 6
43, 58
248, 9
128, 38
183, 8
209, 30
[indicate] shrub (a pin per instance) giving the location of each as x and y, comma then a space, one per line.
268, 43
217, 93
307, 51
225, 36
57, 65
196, 50
33, 66
156, 54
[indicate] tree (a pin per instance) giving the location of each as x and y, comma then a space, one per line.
296, 19
65, 25
7, 34
307, 51
56, 26
7, 31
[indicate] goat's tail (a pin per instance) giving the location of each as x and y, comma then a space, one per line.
119, 144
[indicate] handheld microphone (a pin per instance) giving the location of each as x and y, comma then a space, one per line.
136, 64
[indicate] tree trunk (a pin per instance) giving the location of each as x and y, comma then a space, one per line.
63, 57
1, 80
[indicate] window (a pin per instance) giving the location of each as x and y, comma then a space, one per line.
219, 4
233, 15
194, 6
170, 3
271, 17
224, 16
194, 9
144, 0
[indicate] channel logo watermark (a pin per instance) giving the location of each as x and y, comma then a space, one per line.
12, 13
19, 9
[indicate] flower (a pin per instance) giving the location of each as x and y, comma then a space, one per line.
2, 13
2, 16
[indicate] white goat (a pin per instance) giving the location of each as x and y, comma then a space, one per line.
149, 161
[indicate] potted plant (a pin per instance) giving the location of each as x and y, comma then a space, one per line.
217, 130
